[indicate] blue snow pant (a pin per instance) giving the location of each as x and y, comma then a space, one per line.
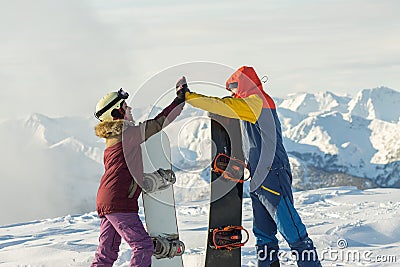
273, 211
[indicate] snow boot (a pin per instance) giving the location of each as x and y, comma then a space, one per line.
305, 253
268, 255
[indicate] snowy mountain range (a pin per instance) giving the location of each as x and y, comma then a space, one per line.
53, 165
336, 140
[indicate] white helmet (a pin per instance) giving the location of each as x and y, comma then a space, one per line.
109, 106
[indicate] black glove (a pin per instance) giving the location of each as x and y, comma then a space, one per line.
181, 84
181, 89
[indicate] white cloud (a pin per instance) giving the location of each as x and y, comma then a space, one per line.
59, 57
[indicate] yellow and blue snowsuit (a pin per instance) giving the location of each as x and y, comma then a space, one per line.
268, 163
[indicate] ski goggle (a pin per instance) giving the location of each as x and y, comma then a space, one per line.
121, 94
232, 86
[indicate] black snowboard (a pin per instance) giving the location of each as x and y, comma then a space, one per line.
226, 194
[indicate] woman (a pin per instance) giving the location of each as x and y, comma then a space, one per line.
118, 193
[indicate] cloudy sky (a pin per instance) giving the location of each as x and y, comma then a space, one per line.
59, 57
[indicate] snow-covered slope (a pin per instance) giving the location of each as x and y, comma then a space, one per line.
55, 163
308, 103
379, 103
367, 221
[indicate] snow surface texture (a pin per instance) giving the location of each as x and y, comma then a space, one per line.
53, 165
349, 228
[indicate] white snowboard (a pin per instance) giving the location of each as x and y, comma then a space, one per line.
159, 206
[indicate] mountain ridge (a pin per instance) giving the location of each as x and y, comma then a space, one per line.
341, 141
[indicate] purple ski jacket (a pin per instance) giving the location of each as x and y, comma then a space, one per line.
123, 159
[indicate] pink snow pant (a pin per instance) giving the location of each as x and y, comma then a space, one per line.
130, 228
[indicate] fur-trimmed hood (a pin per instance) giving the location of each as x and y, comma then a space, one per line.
110, 129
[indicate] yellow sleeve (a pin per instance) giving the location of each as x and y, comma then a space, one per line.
247, 109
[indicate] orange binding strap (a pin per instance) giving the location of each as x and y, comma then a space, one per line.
229, 166
236, 239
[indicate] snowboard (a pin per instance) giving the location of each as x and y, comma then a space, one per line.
159, 205
224, 229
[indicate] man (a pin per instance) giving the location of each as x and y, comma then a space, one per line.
268, 163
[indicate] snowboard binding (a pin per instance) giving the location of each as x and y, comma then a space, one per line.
158, 180
227, 237
167, 246
231, 168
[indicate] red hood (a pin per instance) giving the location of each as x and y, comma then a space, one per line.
250, 84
